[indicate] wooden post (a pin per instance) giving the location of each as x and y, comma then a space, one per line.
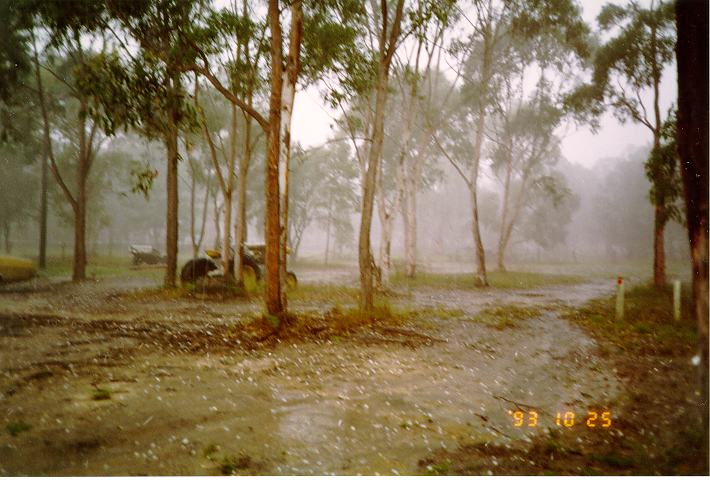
676, 300
620, 298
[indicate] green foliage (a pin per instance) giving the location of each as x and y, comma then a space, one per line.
330, 38
553, 24
143, 180
642, 45
322, 188
104, 79
549, 211
14, 58
16, 428
663, 170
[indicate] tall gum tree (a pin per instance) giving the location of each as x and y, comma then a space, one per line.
627, 75
426, 18
478, 95
692, 138
201, 45
434, 20
159, 106
68, 33
388, 36
225, 176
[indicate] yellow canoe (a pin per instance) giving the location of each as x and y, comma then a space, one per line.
14, 269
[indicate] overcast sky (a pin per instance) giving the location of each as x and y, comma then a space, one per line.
312, 118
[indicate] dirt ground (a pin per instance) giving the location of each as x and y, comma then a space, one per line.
97, 381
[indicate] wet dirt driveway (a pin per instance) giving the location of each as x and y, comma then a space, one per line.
184, 399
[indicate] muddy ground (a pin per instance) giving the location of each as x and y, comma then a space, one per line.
98, 380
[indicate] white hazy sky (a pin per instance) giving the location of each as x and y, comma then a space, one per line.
312, 118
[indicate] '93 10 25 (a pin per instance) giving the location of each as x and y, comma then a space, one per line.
567, 419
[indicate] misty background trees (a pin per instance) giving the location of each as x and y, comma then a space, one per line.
445, 142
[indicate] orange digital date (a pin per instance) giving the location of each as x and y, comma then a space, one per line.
568, 419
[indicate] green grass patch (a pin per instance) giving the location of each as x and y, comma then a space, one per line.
507, 316
16, 428
314, 292
233, 464
441, 468
101, 394
103, 266
648, 319
318, 264
503, 280
210, 451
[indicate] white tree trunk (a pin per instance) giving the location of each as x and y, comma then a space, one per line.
288, 96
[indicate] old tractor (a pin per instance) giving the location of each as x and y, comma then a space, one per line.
147, 254
252, 261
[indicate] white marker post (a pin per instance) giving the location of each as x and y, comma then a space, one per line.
620, 298
676, 300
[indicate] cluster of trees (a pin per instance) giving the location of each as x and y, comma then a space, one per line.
421, 86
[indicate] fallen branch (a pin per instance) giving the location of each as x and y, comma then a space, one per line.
519, 405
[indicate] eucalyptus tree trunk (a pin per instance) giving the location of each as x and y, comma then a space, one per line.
502, 241
386, 51
228, 196
692, 62
171, 235
409, 217
240, 233
660, 217
272, 220
195, 237
327, 228
42, 260
403, 155
217, 219
240, 225
387, 216
288, 95
364, 250
283, 89
79, 205
77, 201
386, 228
481, 275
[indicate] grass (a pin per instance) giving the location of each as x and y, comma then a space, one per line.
324, 293
648, 319
232, 464
317, 263
16, 428
507, 316
101, 394
210, 451
502, 280
102, 266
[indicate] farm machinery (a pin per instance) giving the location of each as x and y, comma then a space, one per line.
252, 265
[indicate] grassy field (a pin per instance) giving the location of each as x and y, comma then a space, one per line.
503, 280
102, 266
